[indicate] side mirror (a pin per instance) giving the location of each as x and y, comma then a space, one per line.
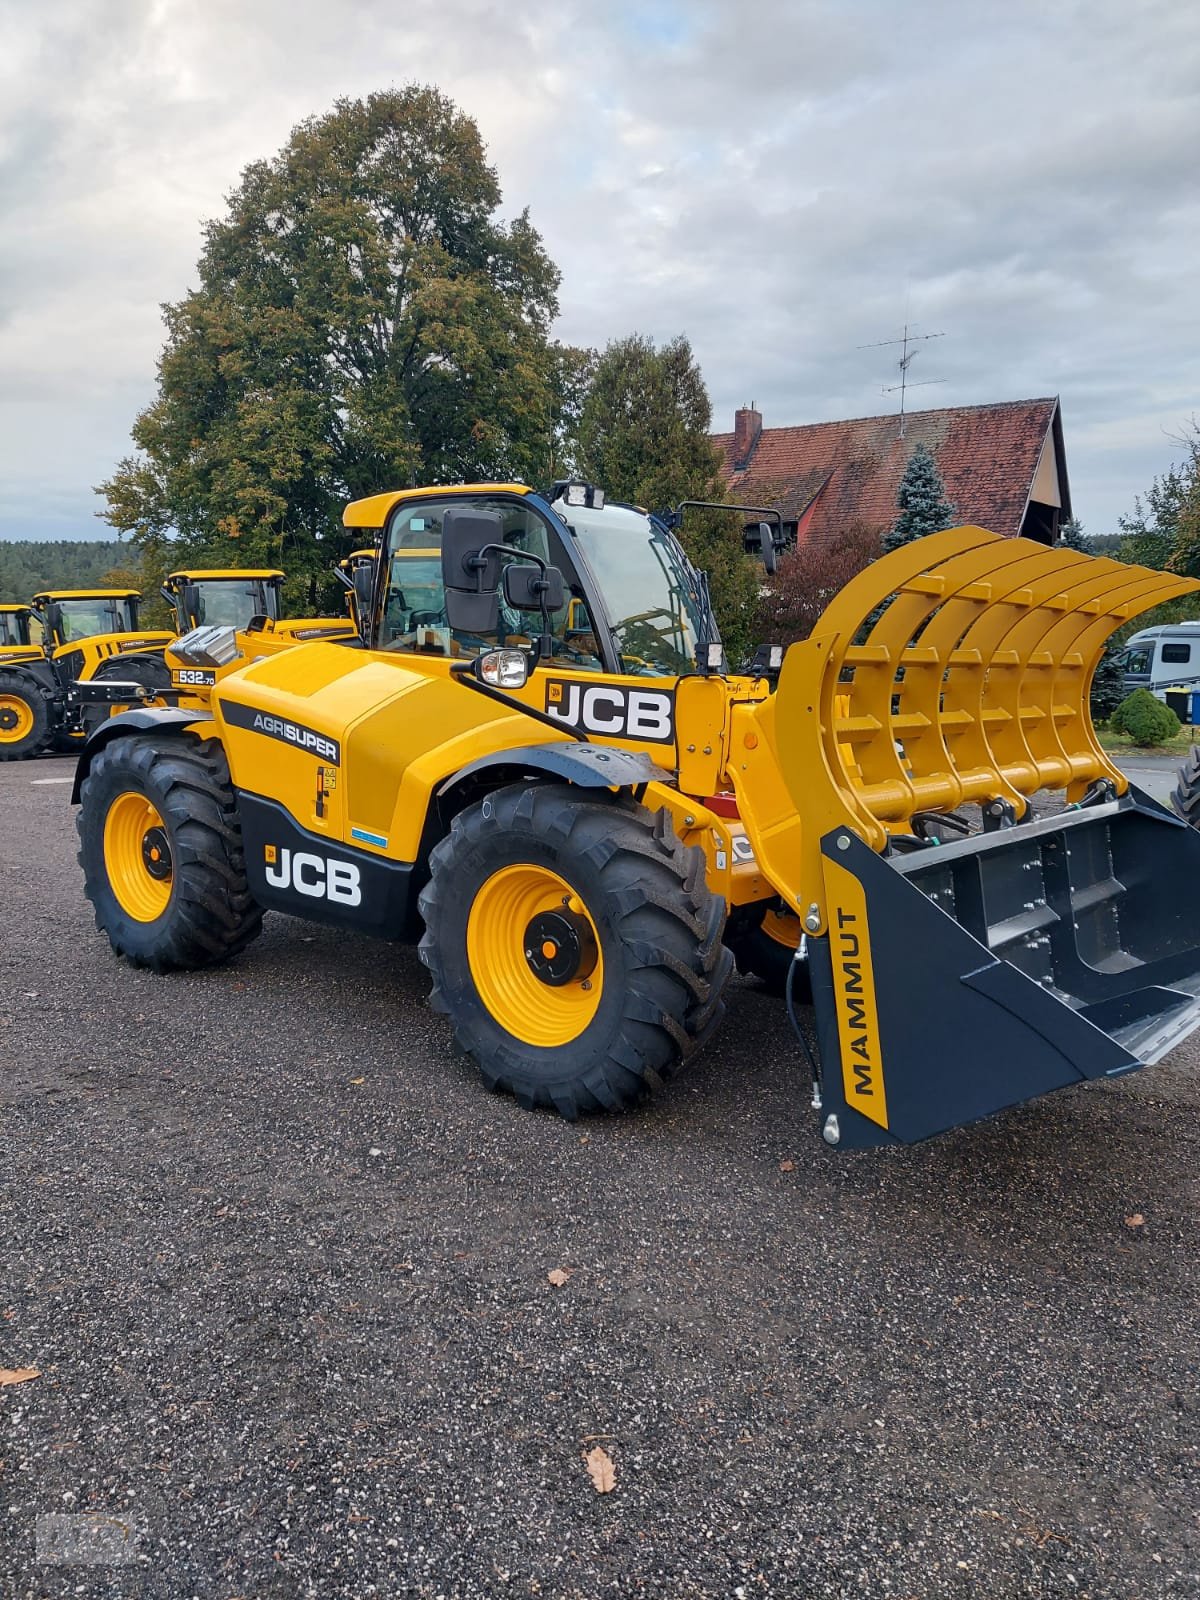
466, 533
53, 622
189, 603
470, 576
529, 588
766, 547
363, 584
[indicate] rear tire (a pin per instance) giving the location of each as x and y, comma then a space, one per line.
161, 852
604, 898
24, 717
1186, 798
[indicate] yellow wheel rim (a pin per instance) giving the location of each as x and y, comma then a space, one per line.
782, 927
137, 856
535, 955
16, 719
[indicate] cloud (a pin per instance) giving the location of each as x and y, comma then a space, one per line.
785, 182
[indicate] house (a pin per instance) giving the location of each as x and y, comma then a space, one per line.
1003, 466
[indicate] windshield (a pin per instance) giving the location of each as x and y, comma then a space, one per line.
653, 607
83, 618
231, 602
13, 628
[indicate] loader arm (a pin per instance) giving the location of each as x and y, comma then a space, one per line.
951, 980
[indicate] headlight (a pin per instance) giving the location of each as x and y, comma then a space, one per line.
504, 669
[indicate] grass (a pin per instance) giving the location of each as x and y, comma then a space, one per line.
1119, 744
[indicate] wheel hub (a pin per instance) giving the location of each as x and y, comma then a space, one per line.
156, 853
8, 719
560, 947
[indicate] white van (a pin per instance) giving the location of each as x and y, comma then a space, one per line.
1159, 658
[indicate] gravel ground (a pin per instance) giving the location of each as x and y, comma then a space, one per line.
282, 1263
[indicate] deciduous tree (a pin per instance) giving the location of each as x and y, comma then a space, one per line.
809, 577
362, 321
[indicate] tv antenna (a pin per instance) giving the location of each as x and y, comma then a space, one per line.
906, 358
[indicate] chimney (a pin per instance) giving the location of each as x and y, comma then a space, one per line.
747, 425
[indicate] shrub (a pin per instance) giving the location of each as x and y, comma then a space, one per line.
1145, 719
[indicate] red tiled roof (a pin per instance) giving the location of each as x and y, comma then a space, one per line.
987, 456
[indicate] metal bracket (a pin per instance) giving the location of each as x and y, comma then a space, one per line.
998, 814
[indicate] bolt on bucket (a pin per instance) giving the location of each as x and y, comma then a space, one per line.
960, 966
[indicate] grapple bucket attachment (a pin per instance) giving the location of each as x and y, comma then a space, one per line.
952, 979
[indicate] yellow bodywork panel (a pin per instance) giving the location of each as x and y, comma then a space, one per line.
374, 511
86, 594
395, 727
98, 647
224, 574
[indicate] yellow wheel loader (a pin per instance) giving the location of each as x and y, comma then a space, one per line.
88, 635
541, 769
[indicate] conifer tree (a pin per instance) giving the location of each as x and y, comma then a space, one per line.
922, 502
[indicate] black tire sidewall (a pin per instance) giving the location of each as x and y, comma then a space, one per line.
514, 843
11, 683
109, 778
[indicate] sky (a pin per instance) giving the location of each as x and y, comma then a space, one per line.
784, 181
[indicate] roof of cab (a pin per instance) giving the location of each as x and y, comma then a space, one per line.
206, 575
374, 511
89, 594
8, 605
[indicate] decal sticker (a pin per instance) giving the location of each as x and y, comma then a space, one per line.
313, 875
854, 987
743, 850
283, 729
613, 711
364, 836
197, 675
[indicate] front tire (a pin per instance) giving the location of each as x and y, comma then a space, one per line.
24, 717
574, 945
1186, 798
161, 852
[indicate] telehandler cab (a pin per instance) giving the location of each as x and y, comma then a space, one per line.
540, 769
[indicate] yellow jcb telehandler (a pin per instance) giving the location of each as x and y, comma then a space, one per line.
540, 767
247, 601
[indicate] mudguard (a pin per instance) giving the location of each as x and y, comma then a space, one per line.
589, 766
167, 719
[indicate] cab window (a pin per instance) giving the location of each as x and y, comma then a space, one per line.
413, 616
1176, 654
83, 619
233, 602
